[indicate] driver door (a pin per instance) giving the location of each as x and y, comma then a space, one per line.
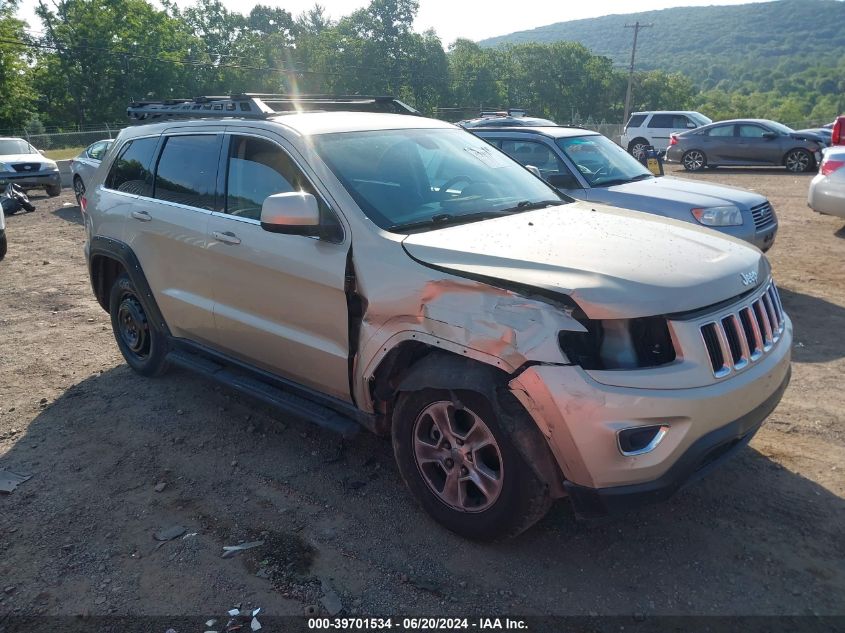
279, 300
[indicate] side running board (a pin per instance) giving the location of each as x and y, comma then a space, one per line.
282, 399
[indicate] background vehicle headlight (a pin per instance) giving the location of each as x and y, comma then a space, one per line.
51, 165
718, 216
5, 167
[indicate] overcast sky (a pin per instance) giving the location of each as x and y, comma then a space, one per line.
468, 18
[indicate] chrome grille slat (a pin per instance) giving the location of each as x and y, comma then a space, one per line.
763, 215
740, 338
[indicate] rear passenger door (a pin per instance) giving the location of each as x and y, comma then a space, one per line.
167, 230
279, 300
719, 144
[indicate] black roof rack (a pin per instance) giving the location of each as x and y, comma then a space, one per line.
261, 106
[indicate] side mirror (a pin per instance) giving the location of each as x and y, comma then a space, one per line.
770, 135
292, 213
534, 170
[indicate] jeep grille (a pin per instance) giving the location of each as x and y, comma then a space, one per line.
742, 337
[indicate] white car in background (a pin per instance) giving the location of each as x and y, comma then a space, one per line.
24, 165
83, 166
654, 128
827, 189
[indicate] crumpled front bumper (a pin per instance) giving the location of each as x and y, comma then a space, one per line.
31, 179
580, 418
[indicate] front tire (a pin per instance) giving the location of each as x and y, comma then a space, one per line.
142, 344
694, 160
461, 465
799, 161
53, 190
4, 244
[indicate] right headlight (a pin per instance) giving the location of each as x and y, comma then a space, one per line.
619, 344
728, 215
5, 167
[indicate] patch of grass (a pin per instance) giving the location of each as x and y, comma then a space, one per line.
63, 154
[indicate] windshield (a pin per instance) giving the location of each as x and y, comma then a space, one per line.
700, 118
602, 162
418, 179
15, 146
780, 128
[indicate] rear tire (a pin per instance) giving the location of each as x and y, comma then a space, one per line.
78, 188
637, 147
53, 190
799, 161
4, 245
142, 344
694, 160
452, 439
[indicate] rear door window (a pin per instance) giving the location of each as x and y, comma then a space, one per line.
130, 172
636, 120
661, 121
721, 131
187, 170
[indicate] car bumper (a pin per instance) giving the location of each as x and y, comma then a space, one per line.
673, 154
31, 180
581, 417
763, 238
826, 196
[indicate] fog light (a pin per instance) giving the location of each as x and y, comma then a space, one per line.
639, 440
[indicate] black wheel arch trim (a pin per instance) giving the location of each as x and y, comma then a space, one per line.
120, 252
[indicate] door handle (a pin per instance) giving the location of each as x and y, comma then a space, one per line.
226, 237
142, 215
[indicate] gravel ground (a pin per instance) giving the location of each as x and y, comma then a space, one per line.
114, 458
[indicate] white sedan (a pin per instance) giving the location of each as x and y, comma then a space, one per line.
827, 189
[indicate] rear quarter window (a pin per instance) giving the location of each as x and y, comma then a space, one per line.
130, 172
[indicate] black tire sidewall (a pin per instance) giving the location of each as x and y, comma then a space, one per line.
4, 244
520, 485
703, 156
53, 191
156, 361
811, 162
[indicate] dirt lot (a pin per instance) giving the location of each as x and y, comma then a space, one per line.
762, 535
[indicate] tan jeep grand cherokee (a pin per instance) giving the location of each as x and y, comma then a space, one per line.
397, 272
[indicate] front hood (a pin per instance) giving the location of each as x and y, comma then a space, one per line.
808, 136
24, 158
643, 195
614, 263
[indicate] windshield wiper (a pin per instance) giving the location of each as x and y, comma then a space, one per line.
445, 219
622, 181
527, 205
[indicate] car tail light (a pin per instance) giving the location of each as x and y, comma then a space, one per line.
673, 139
829, 166
83, 203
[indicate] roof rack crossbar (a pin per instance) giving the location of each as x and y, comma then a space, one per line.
257, 106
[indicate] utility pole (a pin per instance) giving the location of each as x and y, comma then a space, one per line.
637, 28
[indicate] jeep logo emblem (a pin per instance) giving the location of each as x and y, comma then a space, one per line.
749, 279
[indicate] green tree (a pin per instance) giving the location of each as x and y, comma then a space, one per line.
18, 103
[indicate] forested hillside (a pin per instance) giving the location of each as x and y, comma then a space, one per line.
784, 58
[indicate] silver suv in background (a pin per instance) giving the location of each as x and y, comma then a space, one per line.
589, 166
399, 273
655, 128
